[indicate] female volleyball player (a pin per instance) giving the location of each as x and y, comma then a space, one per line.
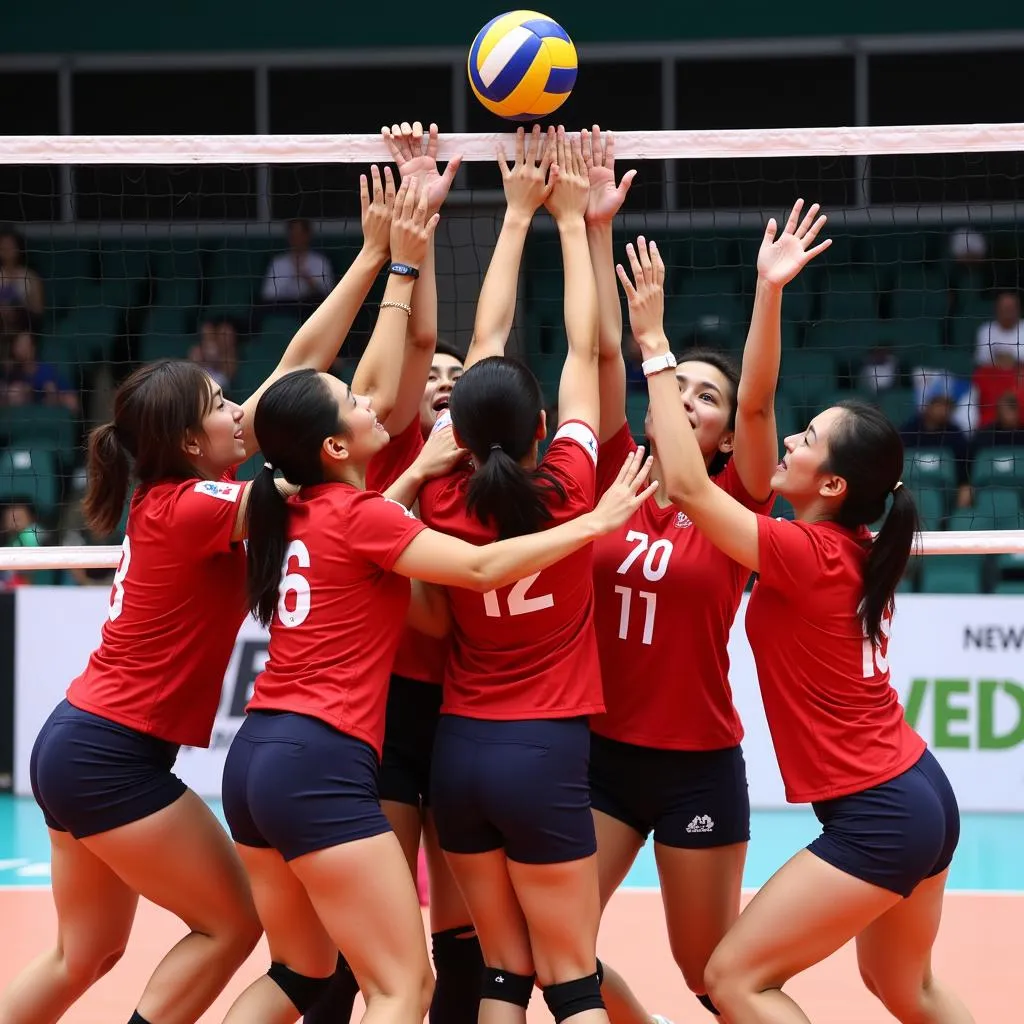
818, 622
428, 372
121, 824
300, 780
665, 757
509, 780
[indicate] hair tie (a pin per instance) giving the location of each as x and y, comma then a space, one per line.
899, 484
496, 448
268, 466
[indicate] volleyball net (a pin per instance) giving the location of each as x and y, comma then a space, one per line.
146, 247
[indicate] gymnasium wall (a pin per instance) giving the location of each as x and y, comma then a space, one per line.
69, 26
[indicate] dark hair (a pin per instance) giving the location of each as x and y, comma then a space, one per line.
154, 410
293, 417
727, 367
446, 348
865, 449
495, 409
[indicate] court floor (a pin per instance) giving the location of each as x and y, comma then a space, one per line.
978, 952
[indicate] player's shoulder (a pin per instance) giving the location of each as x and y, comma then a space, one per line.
572, 436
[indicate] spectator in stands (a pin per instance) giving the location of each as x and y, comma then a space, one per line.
1005, 430
26, 381
1005, 332
301, 276
967, 246
880, 370
991, 381
21, 289
217, 351
21, 530
933, 427
77, 534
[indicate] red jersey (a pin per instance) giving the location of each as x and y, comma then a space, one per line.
835, 719
177, 602
665, 600
419, 656
340, 610
527, 650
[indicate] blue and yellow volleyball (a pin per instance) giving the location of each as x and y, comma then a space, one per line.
522, 65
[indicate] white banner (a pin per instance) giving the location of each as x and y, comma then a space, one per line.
957, 662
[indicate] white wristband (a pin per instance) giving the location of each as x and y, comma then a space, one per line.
656, 364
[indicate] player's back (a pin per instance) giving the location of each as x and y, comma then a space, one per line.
177, 602
527, 650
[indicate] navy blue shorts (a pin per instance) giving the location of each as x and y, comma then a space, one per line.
295, 784
894, 835
690, 799
518, 786
414, 709
90, 775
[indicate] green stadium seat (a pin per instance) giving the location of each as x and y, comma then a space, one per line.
848, 295
636, 410
849, 338
920, 292
1009, 587
929, 467
68, 269
248, 469
971, 312
999, 467
30, 474
996, 508
931, 507
122, 271
898, 404
548, 370
47, 427
786, 419
953, 574
804, 374
89, 332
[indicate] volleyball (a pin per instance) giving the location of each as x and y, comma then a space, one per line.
522, 65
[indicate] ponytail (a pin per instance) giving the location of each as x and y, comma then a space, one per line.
267, 523
887, 561
512, 498
108, 472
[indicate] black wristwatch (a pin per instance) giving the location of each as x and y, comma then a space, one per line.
403, 270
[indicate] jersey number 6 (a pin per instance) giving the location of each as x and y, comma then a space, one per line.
294, 583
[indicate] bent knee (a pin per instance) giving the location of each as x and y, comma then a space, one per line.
86, 965
724, 980
908, 1004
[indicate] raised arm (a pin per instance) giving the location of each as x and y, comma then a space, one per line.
317, 341
437, 558
605, 201
578, 396
379, 372
439, 455
756, 448
527, 184
720, 517
416, 156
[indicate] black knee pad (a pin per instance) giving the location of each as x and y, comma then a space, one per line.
705, 1001
507, 987
300, 989
457, 949
458, 962
335, 1002
571, 997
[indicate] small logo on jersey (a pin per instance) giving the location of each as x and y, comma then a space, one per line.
701, 823
219, 489
392, 501
682, 521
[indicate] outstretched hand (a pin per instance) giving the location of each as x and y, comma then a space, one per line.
376, 210
781, 259
606, 198
627, 494
570, 192
416, 156
645, 294
527, 182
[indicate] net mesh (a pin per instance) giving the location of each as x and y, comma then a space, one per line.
138, 248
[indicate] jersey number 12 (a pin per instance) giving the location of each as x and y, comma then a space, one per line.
518, 601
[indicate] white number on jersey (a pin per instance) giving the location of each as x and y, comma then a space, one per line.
518, 602
872, 659
651, 603
117, 594
655, 562
294, 583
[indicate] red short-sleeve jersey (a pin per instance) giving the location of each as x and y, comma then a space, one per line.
340, 610
177, 602
527, 650
665, 600
419, 656
835, 719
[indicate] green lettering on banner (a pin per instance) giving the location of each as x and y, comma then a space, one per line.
915, 699
947, 714
988, 690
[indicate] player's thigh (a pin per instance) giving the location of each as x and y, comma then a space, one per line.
95, 908
803, 913
447, 906
617, 847
484, 881
295, 934
562, 906
700, 890
366, 898
182, 859
406, 821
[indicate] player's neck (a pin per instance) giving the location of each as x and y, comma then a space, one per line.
349, 474
661, 498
